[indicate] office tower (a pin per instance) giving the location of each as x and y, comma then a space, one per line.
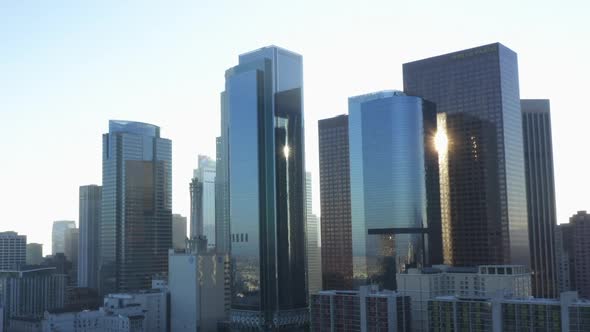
71, 245
178, 231
136, 223
222, 244
540, 189
199, 285
505, 313
262, 128
202, 189
58, 235
482, 179
336, 227
314, 252
34, 253
422, 285
394, 186
28, 292
564, 256
357, 311
89, 206
580, 269
13, 250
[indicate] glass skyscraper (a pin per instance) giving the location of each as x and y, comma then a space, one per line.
203, 201
262, 130
58, 235
336, 226
483, 199
538, 156
394, 186
136, 223
90, 205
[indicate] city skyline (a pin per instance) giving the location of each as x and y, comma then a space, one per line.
62, 100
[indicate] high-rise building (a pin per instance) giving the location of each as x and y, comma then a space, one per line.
358, 311
199, 289
580, 250
507, 313
90, 207
13, 250
262, 128
58, 235
314, 251
202, 188
483, 191
422, 285
394, 186
336, 227
178, 231
222, 235
136, 223
34, 253
71, 246
28, 292
564, 256
540, 189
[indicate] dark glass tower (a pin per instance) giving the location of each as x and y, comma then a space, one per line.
538, 157
90, 205
394, 186
336, 227
136, 223
483, 194
262, 114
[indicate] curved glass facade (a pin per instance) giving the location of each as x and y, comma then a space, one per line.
394, 186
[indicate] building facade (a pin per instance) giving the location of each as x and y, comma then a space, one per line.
178, 231
262, 129
540, 188
336, 226
58, 235
136, 222
510, 314
564, 255
314, 250
394, 186
199, 285
422, 285
483, 189
34, 253
13, 250
72, 241
222, 235
580, 250
365, 310
90, 207
203, 201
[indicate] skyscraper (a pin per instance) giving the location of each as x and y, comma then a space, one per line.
483, 192
564, 256
262, 128
34, 253
71, 246
136, 223
202, 190
58, 235
394, 186
540, 185
336, 227
13, 250
580, 250
90, 205
314, 253
222, 243
178, 231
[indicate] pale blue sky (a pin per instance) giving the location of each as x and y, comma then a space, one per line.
67, 67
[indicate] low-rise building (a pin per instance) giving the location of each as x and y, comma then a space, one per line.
365, 310
425, 284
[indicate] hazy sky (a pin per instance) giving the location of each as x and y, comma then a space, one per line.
67, 67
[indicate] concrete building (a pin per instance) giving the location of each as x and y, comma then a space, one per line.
13, 250
503, 313
365, 310
90, 213
58, 235
153, 305
29, 292
576, 247
199, 285
178, 231
422, 285
34, 253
